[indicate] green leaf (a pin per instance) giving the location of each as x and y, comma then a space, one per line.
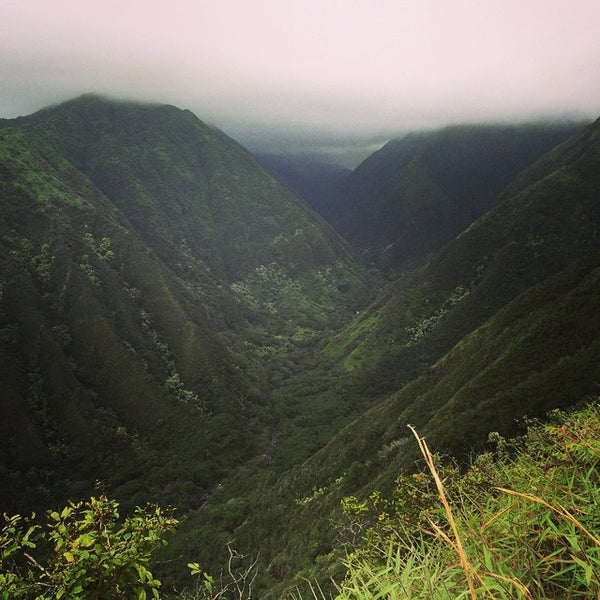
587, 569
194, 568
86, 540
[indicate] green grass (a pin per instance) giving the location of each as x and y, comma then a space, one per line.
522, 522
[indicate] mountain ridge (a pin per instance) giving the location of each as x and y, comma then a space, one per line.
413, 196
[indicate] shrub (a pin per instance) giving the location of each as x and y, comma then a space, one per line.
82, 552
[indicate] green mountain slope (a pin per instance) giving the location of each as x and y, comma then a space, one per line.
415, 194
152, 278
534, 232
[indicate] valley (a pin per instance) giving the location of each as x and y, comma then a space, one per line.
177, 326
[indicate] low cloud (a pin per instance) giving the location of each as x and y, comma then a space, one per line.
310, 73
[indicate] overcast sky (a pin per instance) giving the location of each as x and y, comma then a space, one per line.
309, 69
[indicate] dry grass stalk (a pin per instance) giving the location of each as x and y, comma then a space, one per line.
457, 544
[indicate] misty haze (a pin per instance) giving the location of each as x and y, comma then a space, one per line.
299, 300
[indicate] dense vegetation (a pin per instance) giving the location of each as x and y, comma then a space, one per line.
520, 522
82, 552
177, 325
